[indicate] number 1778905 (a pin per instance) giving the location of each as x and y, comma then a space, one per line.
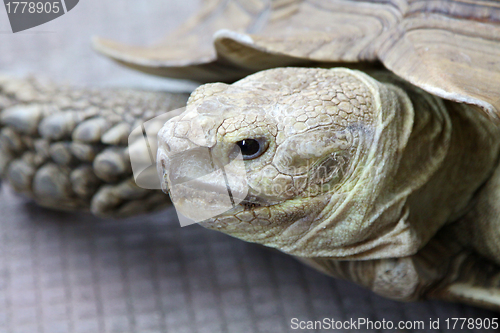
32, 7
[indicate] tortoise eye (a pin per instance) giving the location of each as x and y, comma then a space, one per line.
252, 148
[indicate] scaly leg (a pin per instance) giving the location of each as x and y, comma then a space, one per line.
480, 227
444, 269
67, 148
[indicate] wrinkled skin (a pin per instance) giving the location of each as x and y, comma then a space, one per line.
349, 167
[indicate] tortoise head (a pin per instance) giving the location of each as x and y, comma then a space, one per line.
293, 158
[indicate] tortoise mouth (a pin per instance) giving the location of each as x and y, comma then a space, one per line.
254, 211
266, 225
251, 203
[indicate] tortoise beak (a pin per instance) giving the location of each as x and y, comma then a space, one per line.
199, 184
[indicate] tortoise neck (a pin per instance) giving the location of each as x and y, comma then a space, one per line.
472, 150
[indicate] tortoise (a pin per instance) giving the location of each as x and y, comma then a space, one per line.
377, 120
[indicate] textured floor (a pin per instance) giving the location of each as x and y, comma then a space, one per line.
65, 272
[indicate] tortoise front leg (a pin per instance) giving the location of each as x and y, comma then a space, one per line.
67, 148
480, 227
443, 269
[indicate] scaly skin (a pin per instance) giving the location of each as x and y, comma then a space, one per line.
367, 170
67, 148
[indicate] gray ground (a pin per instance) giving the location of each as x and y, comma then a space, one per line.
64, 272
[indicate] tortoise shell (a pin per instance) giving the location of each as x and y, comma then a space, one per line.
450, 48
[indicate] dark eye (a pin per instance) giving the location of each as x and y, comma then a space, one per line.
251, 148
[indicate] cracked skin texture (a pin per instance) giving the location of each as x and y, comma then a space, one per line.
368, 169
